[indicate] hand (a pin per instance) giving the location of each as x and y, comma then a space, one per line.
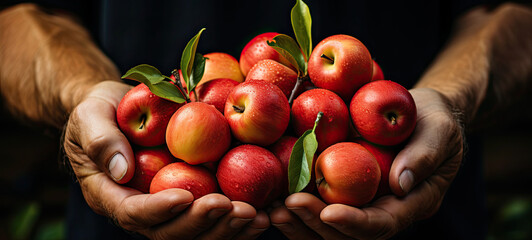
101, 157
420, 175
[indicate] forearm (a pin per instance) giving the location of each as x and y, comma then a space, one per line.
47, 64
488, 61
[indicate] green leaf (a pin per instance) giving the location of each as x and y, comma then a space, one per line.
153, 78
187, 60
301, 159
299, 168
288, 48
301, 23
197, 71
167, 90
144, 73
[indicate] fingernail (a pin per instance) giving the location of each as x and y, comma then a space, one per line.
239, 222
118, 166
179, 208
406, 180
216, 213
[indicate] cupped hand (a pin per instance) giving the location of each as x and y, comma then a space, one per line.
419, 178
102, 159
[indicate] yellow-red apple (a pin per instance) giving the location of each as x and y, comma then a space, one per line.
272, 71
142, 116
221, 65
340, 63
258, 49
258, 112
195, 179
198, 133
215, 92
347, 173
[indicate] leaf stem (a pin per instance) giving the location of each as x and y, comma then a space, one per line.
318, 117
196, 95
179, 85
296, 88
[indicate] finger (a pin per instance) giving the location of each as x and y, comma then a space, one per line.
255, 228
385, 217
308, 208
199, 217
92, 131
290, 225
436, 137
231, 223
128, 207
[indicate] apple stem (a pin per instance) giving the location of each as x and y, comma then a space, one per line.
142, 121
179, 85
295, 89
393, 118
327, 57
238, 109
319, 181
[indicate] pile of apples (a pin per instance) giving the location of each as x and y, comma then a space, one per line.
257, 129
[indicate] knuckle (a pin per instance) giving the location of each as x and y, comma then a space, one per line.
96, 147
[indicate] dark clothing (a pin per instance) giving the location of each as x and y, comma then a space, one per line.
403, 36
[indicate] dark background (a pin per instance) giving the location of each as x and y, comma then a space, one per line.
491, 194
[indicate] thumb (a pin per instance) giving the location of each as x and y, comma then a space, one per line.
96, 137
436, 139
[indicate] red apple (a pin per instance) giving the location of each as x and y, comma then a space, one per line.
198, 133
195, 179
214, 92
383, 112
142, 116
377, 72
258, 49
271, 71
221, 65
347, 173
258, 112
148, 161
333, 126
340, 63
384, 156
251, 174
282, 149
